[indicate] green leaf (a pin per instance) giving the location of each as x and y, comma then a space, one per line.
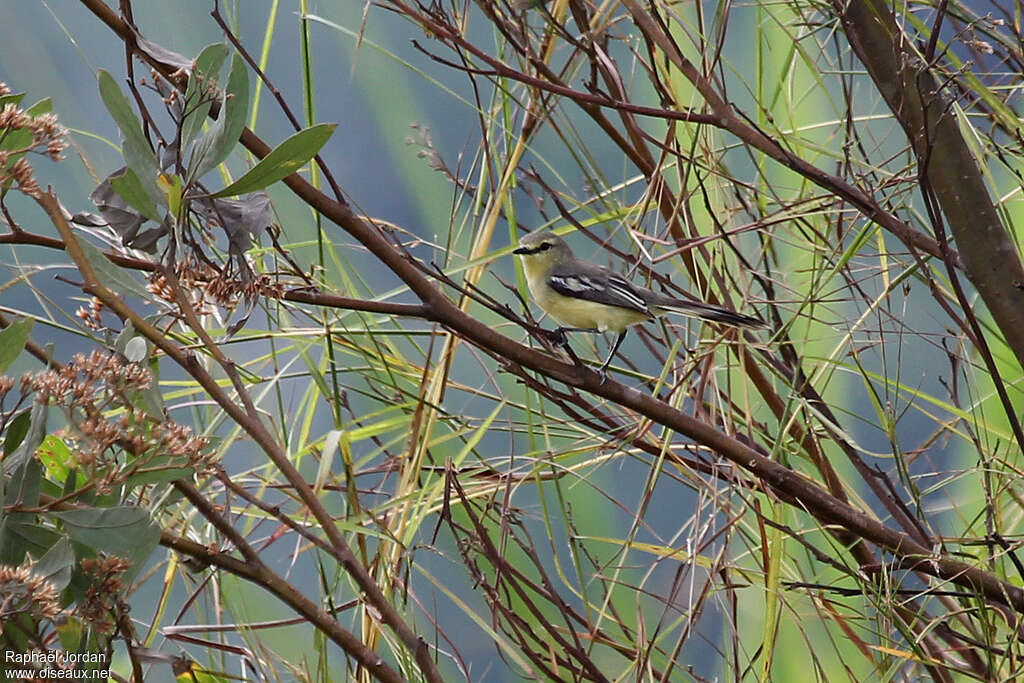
126, 334
56, 564
43, 106
114, 210
28, 445
23, 487
18, 538
326, 459
161, 476
16, 431
198, 97
171, 187
223, 135
191, 672
283, 160
150, 398
70, 632
128, 185
74, 480
137, 153
15, 633
12, 340
14, 98
20, 139
126, 531
56, 457
112, 276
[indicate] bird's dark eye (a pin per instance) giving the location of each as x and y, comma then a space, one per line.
544, 246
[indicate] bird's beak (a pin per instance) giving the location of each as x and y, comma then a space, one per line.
521, 250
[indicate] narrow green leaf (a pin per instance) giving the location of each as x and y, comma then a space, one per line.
198, 97
171, 187
283, 160
478, 435
225, 131
12, 340
75, 480
137, 152
326, 458
115, 277
128, 185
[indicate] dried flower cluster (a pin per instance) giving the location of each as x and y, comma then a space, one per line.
45, 136
90, 316
86, 379
194, 281
24, 592
227, 291
97, 391
99, 608
425, 142
222, 290
208, 289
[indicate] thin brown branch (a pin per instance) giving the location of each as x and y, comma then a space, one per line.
254, 426
986, 250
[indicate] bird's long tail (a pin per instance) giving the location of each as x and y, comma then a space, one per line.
714, 313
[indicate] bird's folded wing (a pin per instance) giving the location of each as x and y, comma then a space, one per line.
600, 286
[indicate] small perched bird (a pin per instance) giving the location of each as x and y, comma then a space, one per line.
586, 297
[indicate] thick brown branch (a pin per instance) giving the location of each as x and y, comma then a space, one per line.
825, 507
989, 255
810, 496
255, 428
284, 591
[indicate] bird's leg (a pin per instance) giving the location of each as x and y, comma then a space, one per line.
615, 347
559, 337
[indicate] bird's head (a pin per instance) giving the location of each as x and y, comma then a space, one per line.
541, 250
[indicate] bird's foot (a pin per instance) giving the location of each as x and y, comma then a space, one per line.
557, 336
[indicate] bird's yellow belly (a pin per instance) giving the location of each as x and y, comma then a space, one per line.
588, 315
